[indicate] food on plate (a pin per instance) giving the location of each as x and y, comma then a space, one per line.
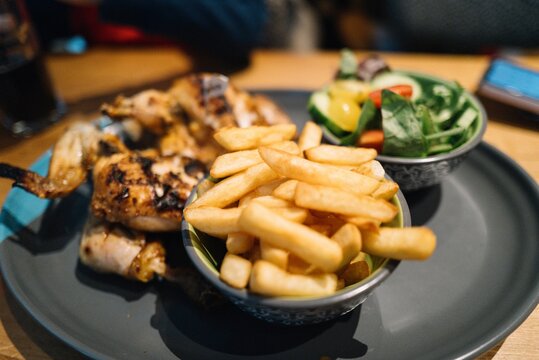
143, 173
397, 113
295, 226
311, 136
234, 138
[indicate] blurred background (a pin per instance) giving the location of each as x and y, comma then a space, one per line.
231, 29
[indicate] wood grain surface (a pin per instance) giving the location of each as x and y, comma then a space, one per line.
87, 80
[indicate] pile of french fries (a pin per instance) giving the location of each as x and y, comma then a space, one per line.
300, 218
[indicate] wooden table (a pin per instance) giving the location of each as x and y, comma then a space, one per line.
85, 81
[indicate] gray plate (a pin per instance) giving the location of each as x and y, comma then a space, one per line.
479, 286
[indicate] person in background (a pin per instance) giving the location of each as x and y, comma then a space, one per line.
213, 29
449, 26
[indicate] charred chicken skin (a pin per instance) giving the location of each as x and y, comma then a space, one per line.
144, 193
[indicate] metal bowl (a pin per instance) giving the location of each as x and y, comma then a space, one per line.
418, 173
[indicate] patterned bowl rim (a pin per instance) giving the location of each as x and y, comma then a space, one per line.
464, 148
363, 287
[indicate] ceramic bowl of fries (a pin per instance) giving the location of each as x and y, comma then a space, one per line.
298, 233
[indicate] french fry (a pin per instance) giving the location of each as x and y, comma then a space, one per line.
324, 229
296, 265
269, 279
214, 221
286, 190
235, 271
349, 239
254, 255
274, 255
312, 172
294, 214
233, 188
239, 243
340, 284
272, 202
386, 190
363, 223
372, 169
360, 257
235, 162
299, 239
234, 139
245, 199
326, 198
267, 189
340, 155
355, 272
285, 208
311, 136
204, 186
415, 243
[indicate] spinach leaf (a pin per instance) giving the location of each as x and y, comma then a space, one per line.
348, 65
368, 119
423, 114
402, 130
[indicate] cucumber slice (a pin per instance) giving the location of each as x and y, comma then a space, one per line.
467, 118
318, 108
389, 79
440, 148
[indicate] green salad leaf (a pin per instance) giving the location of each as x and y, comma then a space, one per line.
348, 66
403, 134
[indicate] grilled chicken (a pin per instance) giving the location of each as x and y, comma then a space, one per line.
203, 102
144, 193
111, 248
72, 156
146, 190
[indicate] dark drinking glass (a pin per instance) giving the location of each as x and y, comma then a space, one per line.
28, 102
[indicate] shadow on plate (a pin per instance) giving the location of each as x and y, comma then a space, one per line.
229, 331
47, 233
19, 326
114, 284
423, 203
